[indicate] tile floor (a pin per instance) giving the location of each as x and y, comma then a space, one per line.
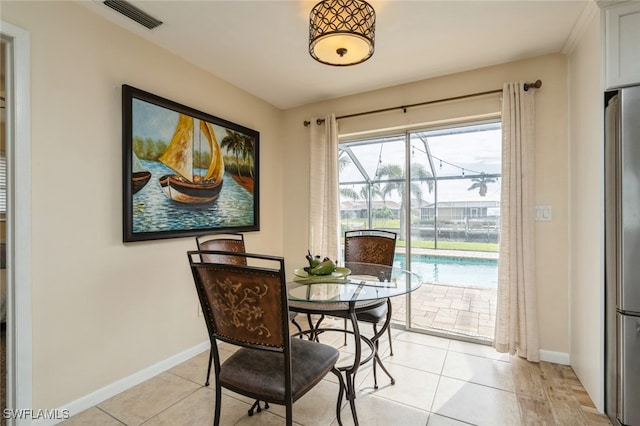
438, 382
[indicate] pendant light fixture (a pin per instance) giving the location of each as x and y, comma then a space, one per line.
342, 32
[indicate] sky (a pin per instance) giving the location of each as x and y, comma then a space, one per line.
157, 123
470, 152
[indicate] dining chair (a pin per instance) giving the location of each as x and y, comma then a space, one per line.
246, 306
229, 242
371, 246
224, 242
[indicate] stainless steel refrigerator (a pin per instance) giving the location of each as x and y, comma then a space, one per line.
622, 255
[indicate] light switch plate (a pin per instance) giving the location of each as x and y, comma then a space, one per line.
543, 213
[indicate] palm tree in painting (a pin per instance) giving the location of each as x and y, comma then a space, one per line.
480, 183
235, 143
247, 152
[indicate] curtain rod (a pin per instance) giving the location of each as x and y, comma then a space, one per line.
536, 85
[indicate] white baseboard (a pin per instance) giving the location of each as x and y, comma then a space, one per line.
123, 384
555, 357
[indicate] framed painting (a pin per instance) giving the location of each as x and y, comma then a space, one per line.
185, 172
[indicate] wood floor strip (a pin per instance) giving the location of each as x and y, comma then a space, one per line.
551, 394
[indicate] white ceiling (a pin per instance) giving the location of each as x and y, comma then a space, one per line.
262, 46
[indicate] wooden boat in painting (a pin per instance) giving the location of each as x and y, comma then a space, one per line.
139, 175
184, 186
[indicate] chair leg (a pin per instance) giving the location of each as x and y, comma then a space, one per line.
345, 333
294, 322
256, 406
216, 418
377, 345
209, 368
313, 328
289, 413
387, 324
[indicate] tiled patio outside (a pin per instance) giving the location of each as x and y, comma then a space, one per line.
450, 309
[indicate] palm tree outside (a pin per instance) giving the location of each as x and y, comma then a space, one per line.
395, 182
480, 183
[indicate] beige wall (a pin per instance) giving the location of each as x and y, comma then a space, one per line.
103, 310
551, 165
586, 160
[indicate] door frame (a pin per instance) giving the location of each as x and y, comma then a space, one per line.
19, 326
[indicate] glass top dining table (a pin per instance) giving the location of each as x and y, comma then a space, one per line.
363, 282
355, 288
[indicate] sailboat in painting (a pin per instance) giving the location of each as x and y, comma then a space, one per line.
185, 186
139, 175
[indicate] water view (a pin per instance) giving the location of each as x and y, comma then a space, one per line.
154, 212
461, 271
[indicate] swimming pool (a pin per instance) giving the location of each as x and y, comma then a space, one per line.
460, 271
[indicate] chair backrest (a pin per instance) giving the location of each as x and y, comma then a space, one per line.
243, 305
370, 246
223, 242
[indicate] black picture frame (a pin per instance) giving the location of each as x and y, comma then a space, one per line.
185, 172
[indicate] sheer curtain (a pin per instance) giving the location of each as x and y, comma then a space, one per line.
323, 188
516, 317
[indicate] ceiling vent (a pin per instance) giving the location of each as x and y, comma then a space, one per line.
132, 12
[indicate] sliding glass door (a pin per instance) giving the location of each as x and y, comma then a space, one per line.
439, 190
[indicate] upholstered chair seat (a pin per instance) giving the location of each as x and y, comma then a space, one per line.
261, 374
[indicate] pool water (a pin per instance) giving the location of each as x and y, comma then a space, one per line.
460, 271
